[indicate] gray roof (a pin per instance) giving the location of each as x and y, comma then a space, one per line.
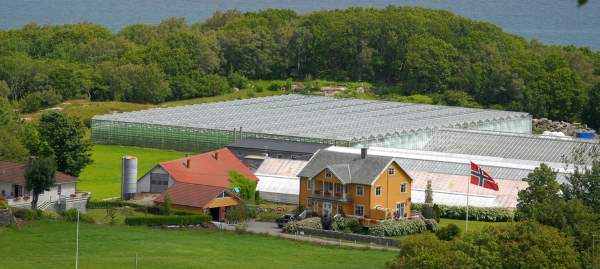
510, 145
317, 117
277, 145
348, 167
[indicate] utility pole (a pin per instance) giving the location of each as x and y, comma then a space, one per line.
77, 243
594, 250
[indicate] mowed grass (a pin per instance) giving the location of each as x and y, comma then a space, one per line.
103, 176
473, 225
51, 245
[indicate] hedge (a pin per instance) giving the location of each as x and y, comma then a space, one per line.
392, 227
110, 204
293, 226
491, 214
168, 220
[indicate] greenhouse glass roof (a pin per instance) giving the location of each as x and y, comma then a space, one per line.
514, 146
315, 116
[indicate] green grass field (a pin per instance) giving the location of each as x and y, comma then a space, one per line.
51, 245
103, 177
473, 225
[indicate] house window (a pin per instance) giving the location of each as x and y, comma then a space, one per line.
58, 189
294, 157
359, 190
359, 210
400, 210
279, 156
311, 184
327, 173
403, 188
391, 171
378, 191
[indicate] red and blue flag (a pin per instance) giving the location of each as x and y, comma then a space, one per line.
481, 178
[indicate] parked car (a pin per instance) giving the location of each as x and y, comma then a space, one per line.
285, 219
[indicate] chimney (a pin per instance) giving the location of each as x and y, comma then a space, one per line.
363, 153
216, 155
187, 162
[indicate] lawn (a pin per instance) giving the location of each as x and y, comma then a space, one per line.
48, 244
473, 225
103, 177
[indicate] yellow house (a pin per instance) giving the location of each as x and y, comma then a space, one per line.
369, 187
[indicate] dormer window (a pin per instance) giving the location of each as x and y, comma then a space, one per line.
391, 171
327, 173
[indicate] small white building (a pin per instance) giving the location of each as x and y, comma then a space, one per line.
63, 195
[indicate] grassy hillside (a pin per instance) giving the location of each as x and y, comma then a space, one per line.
103, 177
51, 245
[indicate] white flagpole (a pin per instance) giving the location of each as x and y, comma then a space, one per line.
77, 244
467, 215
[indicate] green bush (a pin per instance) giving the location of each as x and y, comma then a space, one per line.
39, 100
51, 215
111, 204
237, 80
71, 215
168, 220
3, 204
294, 226
27, 214
448, 233
397, 227
346, 224
492, 214
237, 214
432, 225
268, 216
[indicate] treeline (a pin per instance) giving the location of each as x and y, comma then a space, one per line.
404, 51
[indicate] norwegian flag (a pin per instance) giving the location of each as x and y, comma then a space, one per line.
481, 178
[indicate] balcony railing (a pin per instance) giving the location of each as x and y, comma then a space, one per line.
333, 196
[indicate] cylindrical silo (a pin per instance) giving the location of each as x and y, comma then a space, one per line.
128, 177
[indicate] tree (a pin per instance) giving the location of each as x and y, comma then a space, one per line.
430, 64
541, 192
4, 89
39, 177
245, 187
592, 109
65, 136
584, 185
167, 205
11, 147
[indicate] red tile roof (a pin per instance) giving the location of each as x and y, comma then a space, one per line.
14, 172
210, 168
193, 195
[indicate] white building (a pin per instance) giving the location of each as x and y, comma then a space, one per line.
63, 195
278, 181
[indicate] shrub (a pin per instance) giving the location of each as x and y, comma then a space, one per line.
3, 204
346, 224
448, 233
432, 225
492, 214
51, 215
38, 100
168, 220
326, 222
27, 214
267, 216
237, 80
166, 205
436, 212
294, 226
154, 210
237, 214
397, 227
274, 87
71, 215
111, 204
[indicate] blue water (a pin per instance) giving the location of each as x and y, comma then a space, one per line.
550, 21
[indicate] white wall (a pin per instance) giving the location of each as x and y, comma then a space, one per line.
143, 184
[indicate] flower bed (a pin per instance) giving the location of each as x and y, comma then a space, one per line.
293, 226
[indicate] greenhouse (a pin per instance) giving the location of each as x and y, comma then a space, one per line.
315, 119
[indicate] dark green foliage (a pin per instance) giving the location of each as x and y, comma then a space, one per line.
39, 177
591, 113
39, 100
346, 224
584, 185
237, 214
168, 220
110, 204
522, 245
11, 133
406, 50
167, 206
432, 225
437, 212
326, 221
541, 192
448, 233
28, 214
493, 214
65, 136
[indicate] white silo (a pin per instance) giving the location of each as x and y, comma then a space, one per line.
129, 166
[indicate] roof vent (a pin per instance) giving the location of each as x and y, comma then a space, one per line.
363, 153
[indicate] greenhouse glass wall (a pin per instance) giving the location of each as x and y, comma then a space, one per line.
315, 119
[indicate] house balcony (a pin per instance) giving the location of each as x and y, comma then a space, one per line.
330, 196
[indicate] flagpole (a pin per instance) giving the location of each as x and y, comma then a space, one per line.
77, 244
467, 215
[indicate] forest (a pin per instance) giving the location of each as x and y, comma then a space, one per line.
407, 53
